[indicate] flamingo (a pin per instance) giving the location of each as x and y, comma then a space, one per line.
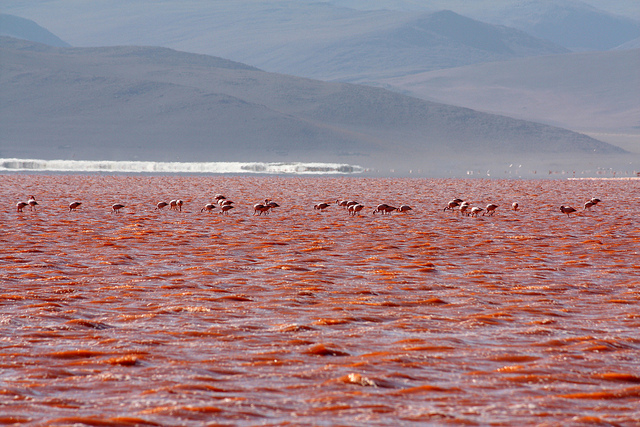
224, 202
321, 206
179, 203
219, 197
225, 209
116, 208
475, 211
490, 209
594, 201
382, 208
173, 204
404, 208
21, 205
515, 206
355, 209
342, 203
161, 205
32, 202
271, 204
463, 208
74, 205
208, 207
453, 204
567, 210
259, 208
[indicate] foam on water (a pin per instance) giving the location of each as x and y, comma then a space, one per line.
293, 168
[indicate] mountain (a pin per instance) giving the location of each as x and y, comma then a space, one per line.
426, 42
308, 39
582, 91
576, 25
14, 26
146, 103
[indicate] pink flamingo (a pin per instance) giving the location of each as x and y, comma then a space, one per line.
209, 207
491, 209
32, 202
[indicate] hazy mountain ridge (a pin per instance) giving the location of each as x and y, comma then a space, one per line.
26, 29
129, 103
592, 90
576, 25
316, 40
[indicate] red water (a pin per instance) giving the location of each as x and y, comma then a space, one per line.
304, 317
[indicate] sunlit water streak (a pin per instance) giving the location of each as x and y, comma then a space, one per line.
160, 317
294, 168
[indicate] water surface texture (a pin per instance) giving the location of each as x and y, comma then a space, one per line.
307, 317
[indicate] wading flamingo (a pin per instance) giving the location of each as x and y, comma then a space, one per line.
161, 205
21, 205
225, 209
116, 208
567, 210
208, 207
259, 209
74, 205
463, 208
321, 206
475, 211
355, 209
490, 209
453, 204
32, 203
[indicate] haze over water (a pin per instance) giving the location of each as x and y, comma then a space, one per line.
318, 318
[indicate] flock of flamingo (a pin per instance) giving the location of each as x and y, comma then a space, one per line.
352, 207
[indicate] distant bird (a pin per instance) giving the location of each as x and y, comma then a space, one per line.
173, 204
161, 205
74, 205
271, 204
224, 202
452, 205
355, 209
32, 202
463, 208
384, 208
567, 210
225, 209
404, 208
515, 206
219, 197
590, 203
342, 203
490, 209
179, 203
475, 211
21, 205
116, 208
321, 206
209, 207
259, 209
